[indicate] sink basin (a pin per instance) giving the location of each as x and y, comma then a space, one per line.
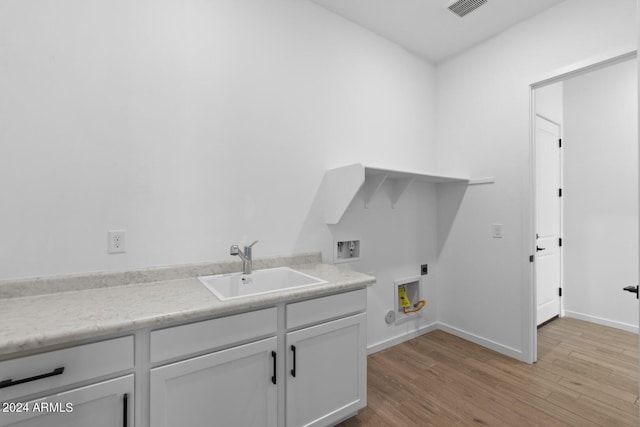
237, 285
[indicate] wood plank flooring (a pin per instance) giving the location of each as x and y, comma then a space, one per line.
586, 375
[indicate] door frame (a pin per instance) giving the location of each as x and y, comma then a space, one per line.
530, 303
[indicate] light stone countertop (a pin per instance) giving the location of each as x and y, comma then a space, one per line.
31, 323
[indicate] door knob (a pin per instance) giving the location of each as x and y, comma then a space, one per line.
538, 249
632, 289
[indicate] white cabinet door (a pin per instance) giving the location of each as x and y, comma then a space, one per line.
326, 372
105, 404
234, 387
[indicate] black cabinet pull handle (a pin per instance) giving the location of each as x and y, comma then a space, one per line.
10, 382
538, 249
125, 410
293, 371
632, 289
275, 362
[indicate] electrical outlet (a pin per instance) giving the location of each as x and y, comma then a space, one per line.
496, 231
117, 241
424, 269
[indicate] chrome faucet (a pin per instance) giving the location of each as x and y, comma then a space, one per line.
247, 257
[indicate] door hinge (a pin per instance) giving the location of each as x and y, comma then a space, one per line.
530, 258
559, 292
559, 192
560, 143
560, 241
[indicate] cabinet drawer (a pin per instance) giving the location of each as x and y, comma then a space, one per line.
41, 372
211, 334
326, 308
103, 404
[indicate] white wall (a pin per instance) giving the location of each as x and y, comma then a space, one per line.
194, 125
191, 124
483, 110
549, 102
601, 195
197, 124
395, 242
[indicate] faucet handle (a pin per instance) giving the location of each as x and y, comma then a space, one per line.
247, 250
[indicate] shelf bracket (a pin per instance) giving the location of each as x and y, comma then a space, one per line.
371, 186
400, 185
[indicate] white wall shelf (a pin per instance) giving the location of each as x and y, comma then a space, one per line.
342, 184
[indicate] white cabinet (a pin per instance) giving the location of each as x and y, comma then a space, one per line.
102, 403
105, 404
315, 349
233, 387
233, 384
209, 335
326, 372
327, 359
37, 374
294, 364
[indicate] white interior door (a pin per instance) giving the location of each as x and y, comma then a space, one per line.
548, 219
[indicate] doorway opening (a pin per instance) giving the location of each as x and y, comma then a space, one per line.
584, 174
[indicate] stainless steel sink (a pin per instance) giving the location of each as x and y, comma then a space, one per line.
238, 285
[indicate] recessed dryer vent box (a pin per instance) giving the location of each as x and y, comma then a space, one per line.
411, 286
346, 251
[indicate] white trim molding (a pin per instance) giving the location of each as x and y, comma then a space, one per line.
602, 321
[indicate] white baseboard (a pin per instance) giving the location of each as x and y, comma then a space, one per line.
374, 348
600, 321
500, 348
492, 345
484, 342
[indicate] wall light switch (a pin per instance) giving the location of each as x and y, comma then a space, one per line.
496, 231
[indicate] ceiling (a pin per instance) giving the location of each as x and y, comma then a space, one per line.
428, 29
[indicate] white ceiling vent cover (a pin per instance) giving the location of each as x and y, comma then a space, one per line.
464, 7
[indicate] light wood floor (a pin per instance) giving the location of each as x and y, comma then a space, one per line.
586, 375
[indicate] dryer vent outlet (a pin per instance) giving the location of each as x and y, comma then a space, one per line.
464, 7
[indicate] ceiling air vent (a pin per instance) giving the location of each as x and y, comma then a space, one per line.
464, 7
